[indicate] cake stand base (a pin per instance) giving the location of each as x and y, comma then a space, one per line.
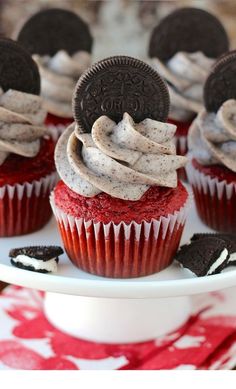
109, 320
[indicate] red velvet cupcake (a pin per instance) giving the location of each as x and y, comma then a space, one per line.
60, 42
120, 238
119, 207
27, 170
214, 190
212, 141
184, 56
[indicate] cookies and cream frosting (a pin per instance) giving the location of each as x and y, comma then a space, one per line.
59, 75
185, 74
212, 136
21, 124
122, 159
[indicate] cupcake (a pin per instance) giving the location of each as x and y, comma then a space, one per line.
212, 144
60, 43
27, 169
183, 47
119, 206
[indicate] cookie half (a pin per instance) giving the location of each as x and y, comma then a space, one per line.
18, 71
221, 82
189, 30
230, 243
42, 259
204, 256
116, 85
51, 30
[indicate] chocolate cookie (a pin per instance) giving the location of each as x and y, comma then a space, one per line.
116, 85
230, 243
189, 30
221, 82
51, 30
17, 69
205, 256
42, 259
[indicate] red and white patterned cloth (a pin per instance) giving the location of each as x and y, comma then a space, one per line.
29, 341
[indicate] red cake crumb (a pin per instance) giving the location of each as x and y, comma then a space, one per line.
18, 169
55, 120
182, 127
222, 173
156, 202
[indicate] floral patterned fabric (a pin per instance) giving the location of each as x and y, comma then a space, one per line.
29, 341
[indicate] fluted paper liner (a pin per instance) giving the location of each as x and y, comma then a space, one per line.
25, 208
55, 131
215, 200
121, 250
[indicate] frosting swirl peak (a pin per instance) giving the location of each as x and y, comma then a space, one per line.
21, 124
59, 75
122, 159
185, 74
212, 136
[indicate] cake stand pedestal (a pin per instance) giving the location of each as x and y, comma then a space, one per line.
109, 320
113, 310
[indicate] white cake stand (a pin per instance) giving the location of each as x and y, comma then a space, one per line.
113, 310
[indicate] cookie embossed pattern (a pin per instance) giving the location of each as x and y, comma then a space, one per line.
117, 85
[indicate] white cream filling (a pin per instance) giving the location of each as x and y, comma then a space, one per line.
232, 257
218, 262
37, 264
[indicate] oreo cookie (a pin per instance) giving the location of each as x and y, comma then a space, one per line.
230, 243
51, 30
42, 259
18, 71
116, 85
189, 30
205, 256
221, 82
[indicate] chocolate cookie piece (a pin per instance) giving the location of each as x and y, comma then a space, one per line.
221, 82
43, 253
116, 85
204, 257
230, 243
18, 71
51, 30
189, 30
42, 259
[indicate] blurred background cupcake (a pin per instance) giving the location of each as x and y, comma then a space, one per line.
183, 47
120, 208
212, 144
27, 171
60, 43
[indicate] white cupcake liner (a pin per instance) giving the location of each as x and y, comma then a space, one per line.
137, 249
37, 187
181, 144
215, 200
55, 131
209, 185
25, 208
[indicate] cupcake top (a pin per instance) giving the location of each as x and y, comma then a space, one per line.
120, 142
21, 112
183, 47
212, 136
60, 43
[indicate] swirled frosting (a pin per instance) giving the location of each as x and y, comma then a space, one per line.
212, 137
21, 124
185, 74
59, 75
122, 159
